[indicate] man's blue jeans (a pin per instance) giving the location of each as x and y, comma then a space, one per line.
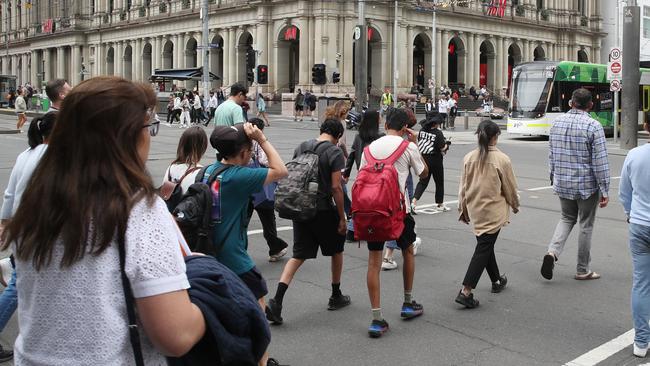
8, 301
640, 250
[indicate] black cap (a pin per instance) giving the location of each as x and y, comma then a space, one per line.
228, 139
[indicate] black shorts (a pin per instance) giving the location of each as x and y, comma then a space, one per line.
312, 107
299, 108
321, 231
405, 240
255, 282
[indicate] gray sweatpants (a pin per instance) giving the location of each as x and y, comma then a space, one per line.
584, 212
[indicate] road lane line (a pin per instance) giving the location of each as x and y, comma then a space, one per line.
604, 351
260, 231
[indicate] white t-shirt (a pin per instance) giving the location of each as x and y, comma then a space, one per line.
77, 315
20, 175
411, 159
451, 103
176, 171
442, 106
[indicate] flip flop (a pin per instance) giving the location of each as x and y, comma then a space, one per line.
587, 276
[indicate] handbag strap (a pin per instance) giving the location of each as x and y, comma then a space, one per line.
187, 172
130, 310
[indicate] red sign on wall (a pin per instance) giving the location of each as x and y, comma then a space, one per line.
483, 79
291, 33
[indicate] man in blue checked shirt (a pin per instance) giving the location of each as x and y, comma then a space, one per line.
580, 177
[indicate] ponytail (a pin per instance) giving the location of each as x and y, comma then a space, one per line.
486, 131
40, 128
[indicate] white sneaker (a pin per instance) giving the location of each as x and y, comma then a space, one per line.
388, 264
276, 257
416, 245
442, 208
640, 352
5, 271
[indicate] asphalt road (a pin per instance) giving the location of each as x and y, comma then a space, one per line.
533, 322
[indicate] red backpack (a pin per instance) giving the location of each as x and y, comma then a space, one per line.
377, 200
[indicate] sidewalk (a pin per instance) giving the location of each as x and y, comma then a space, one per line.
8, 126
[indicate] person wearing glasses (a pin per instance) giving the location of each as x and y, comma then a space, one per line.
74, 260
230, 112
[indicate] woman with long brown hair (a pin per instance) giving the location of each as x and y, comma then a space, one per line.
91, 237
191, 147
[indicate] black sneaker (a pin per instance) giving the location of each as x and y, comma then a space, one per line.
499, 285
411, 310
273, 362
547, 266
337, 302
467, 301
273, 312
349, 236
6, 355
377, 328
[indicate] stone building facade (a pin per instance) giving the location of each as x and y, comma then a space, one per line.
77, 39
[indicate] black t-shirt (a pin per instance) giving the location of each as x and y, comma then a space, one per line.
330, 159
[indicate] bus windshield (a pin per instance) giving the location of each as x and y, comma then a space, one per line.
530, 92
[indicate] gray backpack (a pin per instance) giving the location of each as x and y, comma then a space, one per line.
296, 197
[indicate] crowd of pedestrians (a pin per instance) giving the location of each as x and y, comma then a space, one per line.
108, 265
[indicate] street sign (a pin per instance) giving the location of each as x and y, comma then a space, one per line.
615, 54
357, 33
615, 85
615, 70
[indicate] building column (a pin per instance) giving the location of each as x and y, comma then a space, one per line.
226, 57
348, 56
262, 40
182, 40
118, 59
232, 55
438, 57
498, 77
136, 60
469, 61
477, 61
409, 56
318, 39
75, 78
200, 52
33, 75
526, 52
304, 67
504, 57
60, 62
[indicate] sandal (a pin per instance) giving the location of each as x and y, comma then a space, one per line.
587, 276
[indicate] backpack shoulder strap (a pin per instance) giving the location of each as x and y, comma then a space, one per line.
187, 172
216, 173
370, 160
397, 153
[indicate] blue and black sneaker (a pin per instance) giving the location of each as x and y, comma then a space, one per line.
411, 310
377, 328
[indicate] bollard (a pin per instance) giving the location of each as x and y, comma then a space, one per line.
466, 120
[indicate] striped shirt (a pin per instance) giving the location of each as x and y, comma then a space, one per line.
578, 156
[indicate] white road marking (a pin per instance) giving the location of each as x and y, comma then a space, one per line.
604, 351
551, 187
260, 231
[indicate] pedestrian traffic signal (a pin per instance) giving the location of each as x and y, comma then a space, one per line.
336, 77
318, 76
250, 59
250, 76
262, 74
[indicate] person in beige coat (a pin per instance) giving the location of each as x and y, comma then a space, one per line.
487, 192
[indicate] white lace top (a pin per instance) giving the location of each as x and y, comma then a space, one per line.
77, 315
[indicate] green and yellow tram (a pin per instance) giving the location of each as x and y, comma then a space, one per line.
541, 91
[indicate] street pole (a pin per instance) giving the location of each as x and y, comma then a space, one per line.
205, 48
631, 76
395, 69
433, 53
616, 44
361, 56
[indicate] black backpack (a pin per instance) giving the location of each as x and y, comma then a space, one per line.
193, 213
172, 192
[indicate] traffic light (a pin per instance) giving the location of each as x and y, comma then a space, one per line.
250, 76
250, 59
336, 77
318, 76
262, 74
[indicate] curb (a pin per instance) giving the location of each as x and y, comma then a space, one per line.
9, 132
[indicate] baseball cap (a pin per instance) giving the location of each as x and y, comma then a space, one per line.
228, 139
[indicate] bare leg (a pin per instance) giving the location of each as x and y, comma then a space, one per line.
372, 279
291, 268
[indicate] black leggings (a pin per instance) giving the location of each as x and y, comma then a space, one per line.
483, 258
434, 162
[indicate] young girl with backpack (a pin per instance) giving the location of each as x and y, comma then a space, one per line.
486, 206
191, 147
